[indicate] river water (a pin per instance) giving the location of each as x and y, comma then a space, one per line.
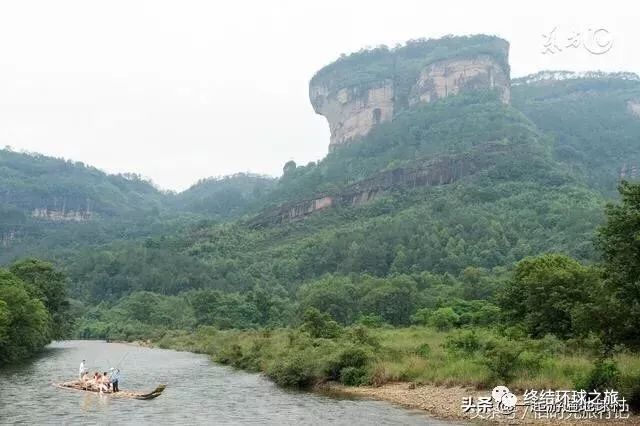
198, 392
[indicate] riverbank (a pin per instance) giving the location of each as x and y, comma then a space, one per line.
437, 401
446, 402
416, 367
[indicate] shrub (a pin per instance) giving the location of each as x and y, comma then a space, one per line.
444, 318
349, 357
320, 324
296, 371
424, 350
421, 317
604, 375
465, 342
371, 320
353, 376
549, 345
353, 356
501, 358
360, 335
630, 390
531, 361
229, 355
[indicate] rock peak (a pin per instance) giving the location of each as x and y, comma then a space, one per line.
359, 91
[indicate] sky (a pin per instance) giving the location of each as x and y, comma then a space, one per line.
182, 90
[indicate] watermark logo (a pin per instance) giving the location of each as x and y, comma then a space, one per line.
596, 41
504, 398
547, 404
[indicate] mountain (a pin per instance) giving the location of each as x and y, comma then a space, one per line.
438, 164
52, 207
593, 118
52, 189
225, 197
360, 91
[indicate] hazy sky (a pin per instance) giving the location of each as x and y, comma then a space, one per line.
181, 90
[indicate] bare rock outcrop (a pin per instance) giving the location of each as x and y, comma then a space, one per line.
450, 77
358, 92
443, 170
351, 113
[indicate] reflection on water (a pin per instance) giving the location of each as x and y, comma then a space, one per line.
198, 392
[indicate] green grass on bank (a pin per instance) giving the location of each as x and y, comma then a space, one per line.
481, 358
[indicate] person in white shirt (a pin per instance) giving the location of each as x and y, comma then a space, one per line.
82, 370
115, 377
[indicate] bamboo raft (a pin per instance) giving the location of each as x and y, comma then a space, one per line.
120, 394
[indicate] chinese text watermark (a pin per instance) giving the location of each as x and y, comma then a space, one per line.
596, 41
548, 404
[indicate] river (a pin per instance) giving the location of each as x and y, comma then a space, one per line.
198, 392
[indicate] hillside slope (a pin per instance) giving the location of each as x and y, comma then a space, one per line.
594, 120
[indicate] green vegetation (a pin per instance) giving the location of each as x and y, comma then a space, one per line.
362, 355
545, 323
593, 131
358, 71
33, 309
492, 278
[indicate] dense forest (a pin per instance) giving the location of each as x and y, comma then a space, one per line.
34, 309
523, 269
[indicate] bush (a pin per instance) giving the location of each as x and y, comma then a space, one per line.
350, 357
604, 375
465, 342
424, 350
360, 335
353, 376
421, 317
549, 345
630, 390
229, 355
371, 320
502, 360
444, 318
296, 371
320, 324
531, 361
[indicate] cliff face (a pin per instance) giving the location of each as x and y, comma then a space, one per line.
634, 107
440, 171
358, 92
351, 113
453, 76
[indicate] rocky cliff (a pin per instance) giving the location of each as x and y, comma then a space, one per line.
362, 90
433, 172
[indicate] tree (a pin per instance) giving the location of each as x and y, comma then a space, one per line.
320, 324
24, 321
393, 300
619, 241
289, 166
444, 318
51, 286
334, 295
546, 292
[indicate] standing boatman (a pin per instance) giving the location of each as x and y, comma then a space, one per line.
83, 369
115, 376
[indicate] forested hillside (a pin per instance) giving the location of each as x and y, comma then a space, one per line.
507, 266
476, 202
592, 120
520, 203
55, 208
33, 182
